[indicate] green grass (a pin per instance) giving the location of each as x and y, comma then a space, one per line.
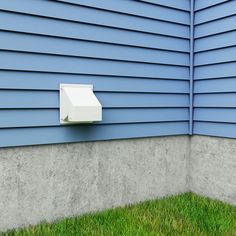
185, 214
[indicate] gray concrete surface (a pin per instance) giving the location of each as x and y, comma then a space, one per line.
53, 181
49, 182
212, 169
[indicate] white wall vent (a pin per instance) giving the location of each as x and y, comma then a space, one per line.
78, 104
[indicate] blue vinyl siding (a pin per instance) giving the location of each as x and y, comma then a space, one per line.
42, 135
202, 4
215, 68
109, 4
135, 52
49, 117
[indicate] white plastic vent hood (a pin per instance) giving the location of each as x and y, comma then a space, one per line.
78, 104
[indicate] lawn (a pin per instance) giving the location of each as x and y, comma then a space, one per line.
186, 214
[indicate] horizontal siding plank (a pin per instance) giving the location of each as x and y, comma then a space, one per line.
50, 27
215, 42
178, 4
51, 81
216, 71
215, 85
215, 56
215, 129
79, 12
215, 12
108, 4
60, 46
45, 135
225, 115
49, 63
216, 27
50, 117
215, 100
49, 99
16, 20
202, 4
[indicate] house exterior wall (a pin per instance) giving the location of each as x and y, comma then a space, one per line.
212, 162
135, 53
215, 68
137, 56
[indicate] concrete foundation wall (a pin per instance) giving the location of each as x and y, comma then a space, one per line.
212, 167
53, 181
48, 182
